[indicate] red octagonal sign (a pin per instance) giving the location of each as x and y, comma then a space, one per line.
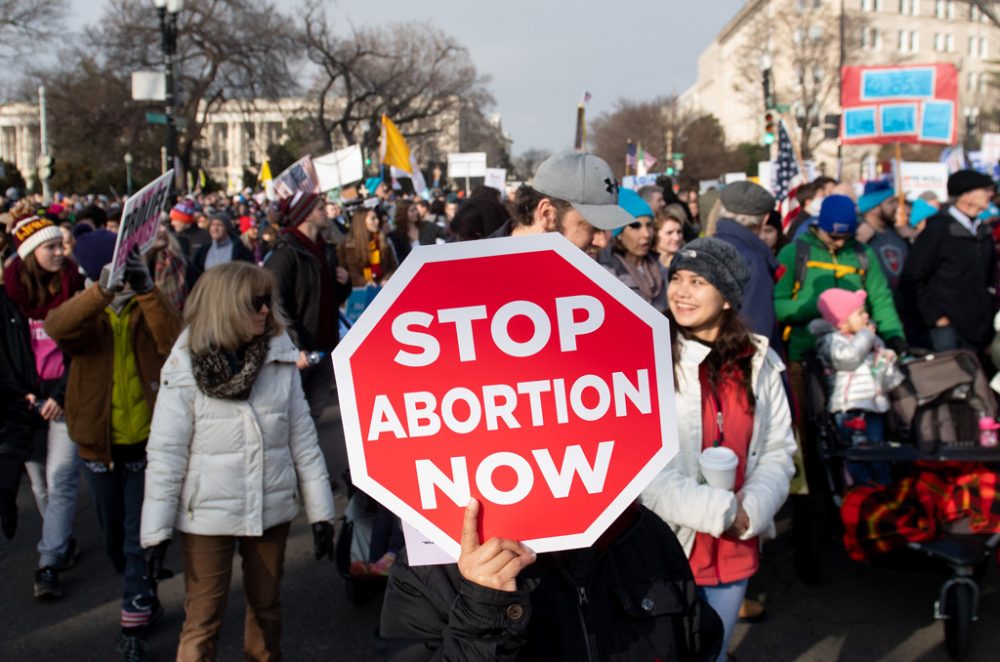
517, 371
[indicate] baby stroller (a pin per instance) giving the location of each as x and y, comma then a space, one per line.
352, 543
934, 419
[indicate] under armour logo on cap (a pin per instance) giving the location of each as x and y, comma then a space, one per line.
612, 185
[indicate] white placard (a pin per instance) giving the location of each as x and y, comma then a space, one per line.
731, 177
420, 550
917, 177
467, 164
340, 168
149, 86
991, 149
496, 178
139, 223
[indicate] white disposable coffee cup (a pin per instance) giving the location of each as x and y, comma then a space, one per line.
718, 466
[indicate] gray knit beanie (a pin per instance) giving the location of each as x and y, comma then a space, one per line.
718, 263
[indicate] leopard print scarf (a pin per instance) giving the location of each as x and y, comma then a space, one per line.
218, 378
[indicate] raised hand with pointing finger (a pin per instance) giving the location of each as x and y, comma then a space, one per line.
494, 564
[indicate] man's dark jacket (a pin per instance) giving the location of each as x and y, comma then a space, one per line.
631, 596
193, 238
298, 272
758, 296
949, 273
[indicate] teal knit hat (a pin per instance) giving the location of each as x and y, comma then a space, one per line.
633, 203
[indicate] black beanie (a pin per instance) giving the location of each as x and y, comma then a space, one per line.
718, 263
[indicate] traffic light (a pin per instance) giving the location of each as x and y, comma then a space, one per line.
45, 164
769, 127
670, 170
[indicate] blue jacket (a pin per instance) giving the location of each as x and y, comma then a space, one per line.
758, 297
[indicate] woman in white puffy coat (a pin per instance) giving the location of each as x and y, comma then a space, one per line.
729, 393
232, 454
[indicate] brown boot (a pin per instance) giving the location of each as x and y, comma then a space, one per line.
752, 611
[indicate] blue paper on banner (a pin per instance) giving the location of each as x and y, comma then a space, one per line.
898, 119
359, 299
938, 121
859, 123
889, 84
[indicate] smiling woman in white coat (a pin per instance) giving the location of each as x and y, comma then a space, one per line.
730, 402
232, 454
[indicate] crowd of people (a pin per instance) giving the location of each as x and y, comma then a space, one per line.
188, 390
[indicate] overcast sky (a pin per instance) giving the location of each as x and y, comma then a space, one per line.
543, 55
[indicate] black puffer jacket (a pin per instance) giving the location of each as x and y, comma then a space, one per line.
631, 597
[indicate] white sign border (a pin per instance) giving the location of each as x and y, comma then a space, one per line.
354, 439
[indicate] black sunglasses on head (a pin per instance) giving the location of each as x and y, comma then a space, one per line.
260, 301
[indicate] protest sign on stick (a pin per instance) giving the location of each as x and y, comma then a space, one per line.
340, 168
516, 396
300, 176
139, 223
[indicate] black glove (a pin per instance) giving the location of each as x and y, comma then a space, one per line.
8, 513
137, 273
155, 557
323, 540
898, 344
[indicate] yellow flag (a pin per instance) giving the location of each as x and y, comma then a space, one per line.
202, 179
393, 148
265, 173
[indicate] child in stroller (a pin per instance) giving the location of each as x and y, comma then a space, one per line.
860, 373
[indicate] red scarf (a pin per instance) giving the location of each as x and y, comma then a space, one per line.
71, 282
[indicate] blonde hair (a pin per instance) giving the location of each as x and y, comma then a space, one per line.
219, 314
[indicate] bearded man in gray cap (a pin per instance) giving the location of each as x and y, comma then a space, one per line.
745, 207
571, 193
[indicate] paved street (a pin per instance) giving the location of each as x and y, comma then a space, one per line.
859, 613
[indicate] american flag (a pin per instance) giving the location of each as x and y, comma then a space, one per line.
786, 168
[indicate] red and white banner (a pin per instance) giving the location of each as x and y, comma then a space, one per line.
517, 371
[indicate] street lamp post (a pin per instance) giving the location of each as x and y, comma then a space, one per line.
168, 10
128, 173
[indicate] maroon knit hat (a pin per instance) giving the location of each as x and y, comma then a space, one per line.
293, 210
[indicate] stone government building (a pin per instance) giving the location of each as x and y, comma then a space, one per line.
236, 135
729, 82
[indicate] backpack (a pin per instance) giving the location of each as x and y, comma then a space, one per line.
940, 401
802, 264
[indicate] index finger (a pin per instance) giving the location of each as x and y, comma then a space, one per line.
470, 527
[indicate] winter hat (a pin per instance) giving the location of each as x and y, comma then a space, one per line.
836, 305
93, 250
746, 198
293, 210
876, 193
838, 215
183, 212
964, 181
372, 183
920, 211
633, 203
31, 232
246, 222
989, 213
225, 219
718, 263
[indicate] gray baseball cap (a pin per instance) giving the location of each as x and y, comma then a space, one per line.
586, 182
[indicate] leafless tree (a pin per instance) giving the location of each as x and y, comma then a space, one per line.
416, 74
25, 22
800, 44
989, 8
227, 49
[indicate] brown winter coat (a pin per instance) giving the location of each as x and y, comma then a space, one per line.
355, 260
81, 329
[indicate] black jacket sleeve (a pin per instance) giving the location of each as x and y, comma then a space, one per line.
432, 613
283, 265
15, 435
920, 266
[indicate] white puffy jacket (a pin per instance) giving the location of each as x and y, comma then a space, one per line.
232, 467
689, 506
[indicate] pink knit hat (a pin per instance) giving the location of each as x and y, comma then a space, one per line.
836, 305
